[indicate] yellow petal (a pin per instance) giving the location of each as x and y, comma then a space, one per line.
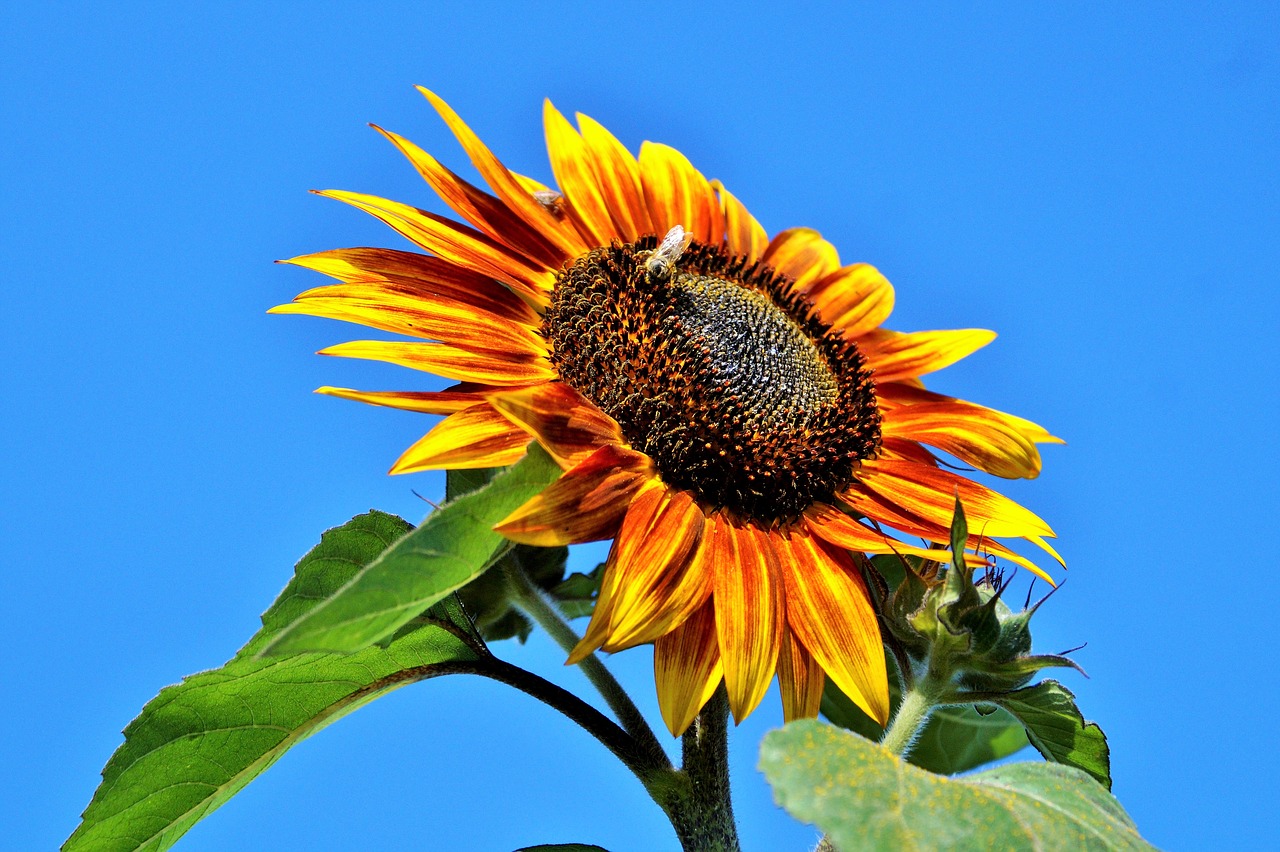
854, 298
800, 680
678, 194
749, 613
473, 438
687, 669
743, 234
895, 355
571, 165
449, 361
653, 586
802, 255
618, 178
829, 611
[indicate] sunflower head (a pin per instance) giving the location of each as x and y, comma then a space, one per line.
726, 406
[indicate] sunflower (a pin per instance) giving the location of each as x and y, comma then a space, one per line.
725, 406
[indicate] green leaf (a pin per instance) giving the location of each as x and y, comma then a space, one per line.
198, 743
955, 739
1057, 728
865, 798
454, 545
563, 847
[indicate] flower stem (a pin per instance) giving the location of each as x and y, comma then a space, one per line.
917, 703
703, 819
531, 601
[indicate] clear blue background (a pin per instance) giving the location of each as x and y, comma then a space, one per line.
1098, 186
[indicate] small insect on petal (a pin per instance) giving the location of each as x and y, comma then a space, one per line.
550, 199
664, 257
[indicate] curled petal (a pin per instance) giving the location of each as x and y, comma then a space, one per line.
587, 503
565, 423
687, 669
893, 394
802, 255
854, 298
829, 612
971, 433
472, 438
931, 493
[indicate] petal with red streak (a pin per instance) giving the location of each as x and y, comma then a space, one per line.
473, 438
687, 669
829, 612
587, 503
565, 422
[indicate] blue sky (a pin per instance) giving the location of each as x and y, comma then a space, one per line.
1100, 187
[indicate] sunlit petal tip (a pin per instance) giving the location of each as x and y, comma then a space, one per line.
749, 611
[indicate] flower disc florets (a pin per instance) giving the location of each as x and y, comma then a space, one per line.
731, 385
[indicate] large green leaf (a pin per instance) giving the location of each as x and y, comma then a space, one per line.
955, 739
863, 797
454, 545
198, 743
1058, 730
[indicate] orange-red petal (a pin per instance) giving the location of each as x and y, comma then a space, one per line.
687, 669
478, 207
652, 585
381, 271
565, 423
749, 611
456, 243
829, 612
474, 437
587, 503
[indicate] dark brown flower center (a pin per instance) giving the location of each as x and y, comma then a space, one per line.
730, 383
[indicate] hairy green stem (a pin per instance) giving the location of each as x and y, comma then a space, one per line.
703, 819
917, 703
531, 601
